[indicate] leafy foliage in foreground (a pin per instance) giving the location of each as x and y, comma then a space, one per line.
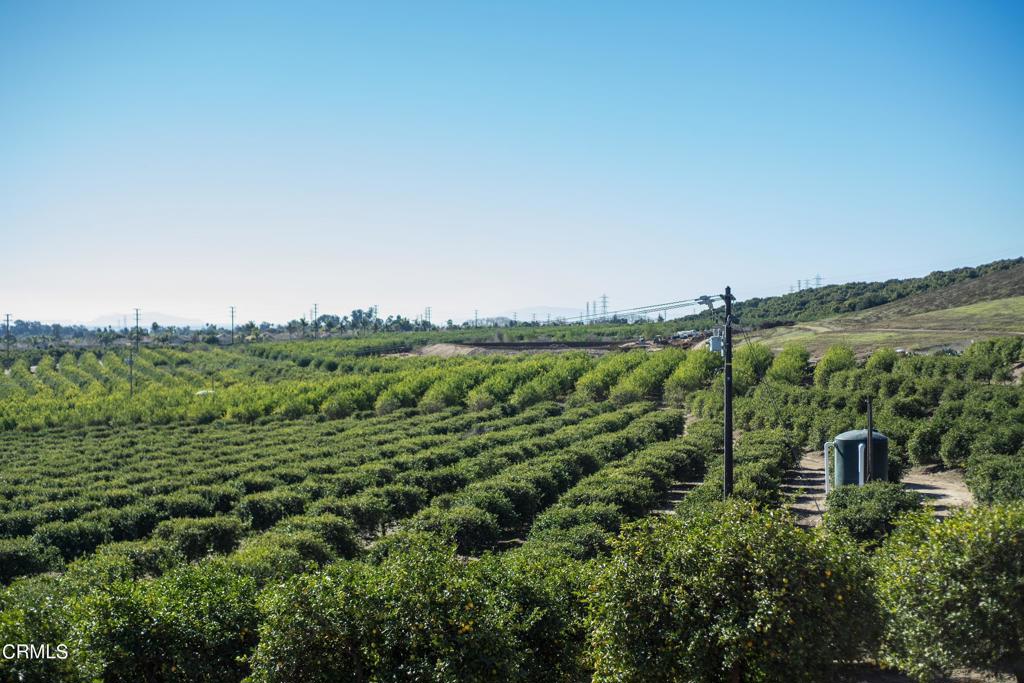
729, 593
953, 592
868, 512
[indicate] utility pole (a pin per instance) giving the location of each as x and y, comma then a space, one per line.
727, 347
232, 325
7, 336
869, 451
132, 350
137, 311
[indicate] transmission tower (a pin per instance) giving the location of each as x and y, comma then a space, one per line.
316, 322
476, 318
232, 325
604, 305
817, 280
426, 315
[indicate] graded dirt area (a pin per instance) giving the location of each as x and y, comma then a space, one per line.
449, 350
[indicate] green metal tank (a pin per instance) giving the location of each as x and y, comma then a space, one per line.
847, 456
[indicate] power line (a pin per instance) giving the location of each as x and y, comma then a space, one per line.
655, 308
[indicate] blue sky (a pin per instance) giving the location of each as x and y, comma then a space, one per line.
496, 156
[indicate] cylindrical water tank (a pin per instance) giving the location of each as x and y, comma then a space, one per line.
847, 461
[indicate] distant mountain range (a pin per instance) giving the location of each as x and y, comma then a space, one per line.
146, 319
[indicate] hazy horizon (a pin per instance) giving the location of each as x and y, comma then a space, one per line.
190, 157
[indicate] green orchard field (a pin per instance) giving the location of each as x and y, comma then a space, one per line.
324, 511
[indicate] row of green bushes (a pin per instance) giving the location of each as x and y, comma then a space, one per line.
476, 517
369, 494
726, 593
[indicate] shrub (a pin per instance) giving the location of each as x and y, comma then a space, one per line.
646, 380
546, 594
469, 528
420, 615
790, 366
955, 446
729, 593
262, 510
336, 531
128, 523
21, 556
924, 444
73, 538
867, 512
277, 555
150, 557
836, 359
195, 538
181, 504
695, 372
996, 478
192, 624
953, 592
882, 360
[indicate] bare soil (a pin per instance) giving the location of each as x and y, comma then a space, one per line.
807, 483
449, 350
944, 490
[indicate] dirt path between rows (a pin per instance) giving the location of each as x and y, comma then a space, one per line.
807, 483
944, 490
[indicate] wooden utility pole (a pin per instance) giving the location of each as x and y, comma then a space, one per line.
727, 348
